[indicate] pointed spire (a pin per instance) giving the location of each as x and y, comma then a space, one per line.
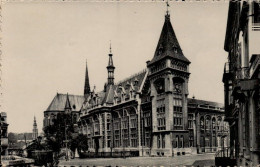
67, 105
168, 45
110, 49
87, 86
35, 129
34, 122
167, 11
110, 68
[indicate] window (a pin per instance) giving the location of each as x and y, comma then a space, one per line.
159, 85
133, 122
181, 142
214, 124
158, 141
163, 141
256, 16
177, 141
256, 12
201, 123
191, 141
161, 115
207, 142
208, 123
147, 119
190, 121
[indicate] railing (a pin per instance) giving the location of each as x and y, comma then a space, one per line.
223, 153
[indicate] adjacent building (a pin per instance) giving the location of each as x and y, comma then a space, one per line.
241, 81
149, 113
4, 132
63, 103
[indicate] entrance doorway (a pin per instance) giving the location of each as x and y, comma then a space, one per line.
96, 141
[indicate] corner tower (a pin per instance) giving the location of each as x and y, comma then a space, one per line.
169, 75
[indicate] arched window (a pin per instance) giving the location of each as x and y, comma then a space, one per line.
158, 141
202, 123
181, 142
213, 123
177, 141
207, 123
219, 123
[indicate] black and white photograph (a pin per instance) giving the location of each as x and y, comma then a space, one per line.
130, 83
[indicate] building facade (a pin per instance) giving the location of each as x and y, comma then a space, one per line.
241, 81
63, 103
4, 133
149, 113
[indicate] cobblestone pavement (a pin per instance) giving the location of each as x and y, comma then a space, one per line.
187, 160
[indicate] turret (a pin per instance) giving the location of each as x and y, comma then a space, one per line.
110, 69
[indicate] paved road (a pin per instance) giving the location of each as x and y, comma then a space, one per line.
195, 160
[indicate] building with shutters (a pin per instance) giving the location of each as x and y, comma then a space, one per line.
241, 81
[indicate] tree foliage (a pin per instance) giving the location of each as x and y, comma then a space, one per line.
12, 138
61, 131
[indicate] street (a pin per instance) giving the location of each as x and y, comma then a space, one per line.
187, 160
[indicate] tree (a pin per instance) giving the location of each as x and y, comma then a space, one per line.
62, 131
80, 142
12, 138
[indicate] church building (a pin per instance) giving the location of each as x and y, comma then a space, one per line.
149, 113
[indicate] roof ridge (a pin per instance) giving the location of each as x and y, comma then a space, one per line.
68, 94
132, 76
205, 100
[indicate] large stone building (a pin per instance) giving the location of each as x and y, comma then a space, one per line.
241, 80
149, 113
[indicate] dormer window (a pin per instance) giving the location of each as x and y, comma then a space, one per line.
160, 49
122, 96
175, 49
135, 82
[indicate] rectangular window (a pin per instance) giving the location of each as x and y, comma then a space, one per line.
133, 123
158, 141
256, 16
163, 141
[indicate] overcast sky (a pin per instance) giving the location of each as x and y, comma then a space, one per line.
46, 44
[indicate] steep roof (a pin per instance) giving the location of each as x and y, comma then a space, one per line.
168, 44
192, 101
133, 82
59, 101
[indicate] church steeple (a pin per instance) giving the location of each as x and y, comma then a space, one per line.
87, 86
35, 129
67, 104
110, 69
168, 45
